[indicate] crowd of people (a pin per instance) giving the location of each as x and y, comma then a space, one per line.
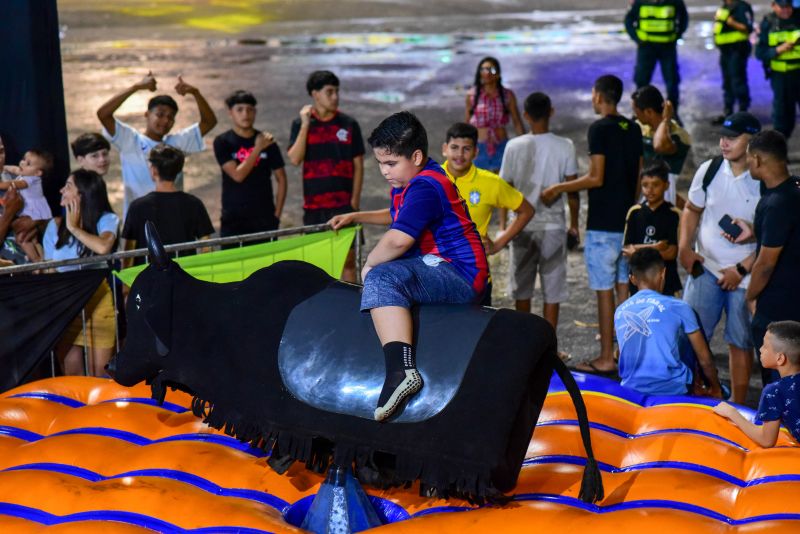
736, 233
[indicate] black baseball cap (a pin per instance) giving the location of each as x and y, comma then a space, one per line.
783, 3
740, 123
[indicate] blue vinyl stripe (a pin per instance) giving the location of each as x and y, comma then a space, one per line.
685, 466
136, 439
622, 434
172, 474
73, 403
130, 518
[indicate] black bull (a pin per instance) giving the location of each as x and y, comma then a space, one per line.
285, 361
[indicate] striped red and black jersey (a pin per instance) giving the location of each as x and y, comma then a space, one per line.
328, 165
430, 210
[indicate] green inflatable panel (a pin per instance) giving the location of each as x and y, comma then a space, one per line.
326, 250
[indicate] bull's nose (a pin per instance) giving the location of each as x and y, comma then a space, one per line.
111, 367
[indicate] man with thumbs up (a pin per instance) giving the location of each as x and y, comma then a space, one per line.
134, 146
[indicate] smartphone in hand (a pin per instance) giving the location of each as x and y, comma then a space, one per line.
730, 227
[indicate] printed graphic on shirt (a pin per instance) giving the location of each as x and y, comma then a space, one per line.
342, 135
243, 153
636, 323
474, 197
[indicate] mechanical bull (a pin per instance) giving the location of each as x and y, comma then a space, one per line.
284, 360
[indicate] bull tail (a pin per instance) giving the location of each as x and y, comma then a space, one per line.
592, 483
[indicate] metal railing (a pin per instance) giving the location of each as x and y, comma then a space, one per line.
110, 259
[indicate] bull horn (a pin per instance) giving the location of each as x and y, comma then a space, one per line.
158, 256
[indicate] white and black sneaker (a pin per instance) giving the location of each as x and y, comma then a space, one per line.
410, 385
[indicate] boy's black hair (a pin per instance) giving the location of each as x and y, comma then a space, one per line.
47, 160
162, 100
240, 96
89, 142
319, 79
400, 134
168, 160
462, 130
648, 97
786, 335
656, 167
645, 262
609, 87
770, 142
538, 106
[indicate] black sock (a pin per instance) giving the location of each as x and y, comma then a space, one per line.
399, 357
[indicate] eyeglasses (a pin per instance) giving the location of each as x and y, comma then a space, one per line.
490, 70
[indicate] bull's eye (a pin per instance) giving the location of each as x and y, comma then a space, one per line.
138, 300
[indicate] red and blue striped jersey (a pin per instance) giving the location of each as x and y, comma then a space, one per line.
430, 210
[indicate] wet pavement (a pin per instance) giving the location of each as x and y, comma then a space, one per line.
390, 55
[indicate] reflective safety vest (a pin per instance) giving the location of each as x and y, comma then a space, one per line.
722, 37
656, 24
788, 61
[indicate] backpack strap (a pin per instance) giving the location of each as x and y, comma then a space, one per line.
592, 484
711, 172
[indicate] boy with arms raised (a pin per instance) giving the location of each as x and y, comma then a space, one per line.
780, 401
328, 144
482, 190
660, 340
432, 252
248, 157
134, 146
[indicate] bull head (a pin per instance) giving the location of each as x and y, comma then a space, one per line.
149, 312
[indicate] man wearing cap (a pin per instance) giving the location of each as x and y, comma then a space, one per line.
722, 186
778, 48
733, 24
655, 26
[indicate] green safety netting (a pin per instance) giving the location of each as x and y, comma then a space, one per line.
326, 250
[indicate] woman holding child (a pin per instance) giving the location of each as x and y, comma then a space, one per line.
489, 106
89, 227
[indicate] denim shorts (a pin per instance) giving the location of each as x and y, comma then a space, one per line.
708, 300
487, 162
605, 263
421, 280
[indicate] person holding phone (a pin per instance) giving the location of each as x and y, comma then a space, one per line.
720, 269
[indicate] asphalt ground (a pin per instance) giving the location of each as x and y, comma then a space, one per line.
390, 55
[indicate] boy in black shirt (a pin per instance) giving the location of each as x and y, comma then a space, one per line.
248, 157
179, 217
615, 158
654, 224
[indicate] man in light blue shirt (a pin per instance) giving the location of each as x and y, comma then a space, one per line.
660, 340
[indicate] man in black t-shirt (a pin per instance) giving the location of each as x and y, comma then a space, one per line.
654, 224
615, 158
179, 217
329, 145
248, 158
774, 289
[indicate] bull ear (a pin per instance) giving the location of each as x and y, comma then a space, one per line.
158, 256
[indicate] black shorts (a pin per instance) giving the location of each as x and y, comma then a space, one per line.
230, 226
321, 216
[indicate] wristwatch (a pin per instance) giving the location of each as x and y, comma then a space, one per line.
741, 270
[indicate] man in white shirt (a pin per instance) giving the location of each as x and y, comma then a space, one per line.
720, 269
135, 146
531, 163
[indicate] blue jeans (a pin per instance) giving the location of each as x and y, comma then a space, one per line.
420, 280
708, 300
487, 162
604, 261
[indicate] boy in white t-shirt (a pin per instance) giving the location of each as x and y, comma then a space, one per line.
134, 146
531, 163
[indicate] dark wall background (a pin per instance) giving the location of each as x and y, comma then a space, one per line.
31, 89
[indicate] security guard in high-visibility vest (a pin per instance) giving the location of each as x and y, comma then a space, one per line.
733, 24
656, 26
779, 49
